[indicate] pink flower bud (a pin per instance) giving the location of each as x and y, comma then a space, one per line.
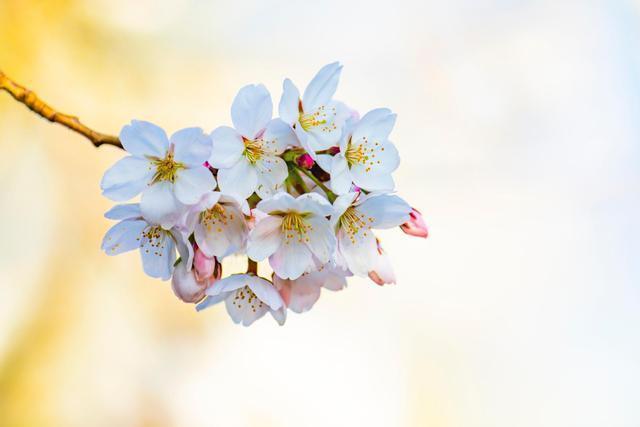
382, 273
305, 161
416, 225
204, 266
333, 150
185, 286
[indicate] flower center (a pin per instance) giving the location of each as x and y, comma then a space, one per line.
253, 150
153, 239
356, 154
294, 227
353, 221
308, 121
166, 169
246, 296
216, 216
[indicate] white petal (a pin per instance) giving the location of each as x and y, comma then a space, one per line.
329, 129
160, 206
340, 205
193, 183
265, 238
126, 178
313, 203
191, 146
184, 246
335, 281
128, 211
240, 180
222, 237
123, 237
291, 260
358, 253
375, 125
279, 202
227, 147
279, 315
386, 210
251, 110
307, 141
341, 178
288, 107
322, 240
272, 171
278, 136
158, 255
324, 161
143, 139
228, 284
211, 301
241, 311
266, 292
372, 181
322, 87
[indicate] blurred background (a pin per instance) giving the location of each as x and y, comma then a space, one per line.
518, 129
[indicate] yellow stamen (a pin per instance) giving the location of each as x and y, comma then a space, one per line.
166, 169
253, 150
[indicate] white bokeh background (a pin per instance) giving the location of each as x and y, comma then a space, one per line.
519, 134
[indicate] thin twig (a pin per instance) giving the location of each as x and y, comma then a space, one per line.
38, 106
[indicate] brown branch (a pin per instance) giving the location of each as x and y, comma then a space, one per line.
38, 106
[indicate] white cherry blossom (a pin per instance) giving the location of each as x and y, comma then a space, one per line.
355, 217
295, 234
247, 155
316, 118
247, 298
168, 172
218, 224
366, 156
157, 245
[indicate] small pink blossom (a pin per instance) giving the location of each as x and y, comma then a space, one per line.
305, 161
416, 225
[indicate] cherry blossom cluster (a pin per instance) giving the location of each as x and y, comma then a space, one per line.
305, 191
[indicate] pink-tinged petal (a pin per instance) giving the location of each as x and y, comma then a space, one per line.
191, 146
251, 110
227, 147
205, 267
301, 294
160, 206
265, 238
416, 226
143, 139
240, 180
305, 161
193, 183
288, 107
322, 87
126, 178
185, 286
382, 272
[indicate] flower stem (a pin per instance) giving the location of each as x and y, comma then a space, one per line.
330, 194
252, 266
38, 106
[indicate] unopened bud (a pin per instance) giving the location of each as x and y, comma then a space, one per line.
416, 225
